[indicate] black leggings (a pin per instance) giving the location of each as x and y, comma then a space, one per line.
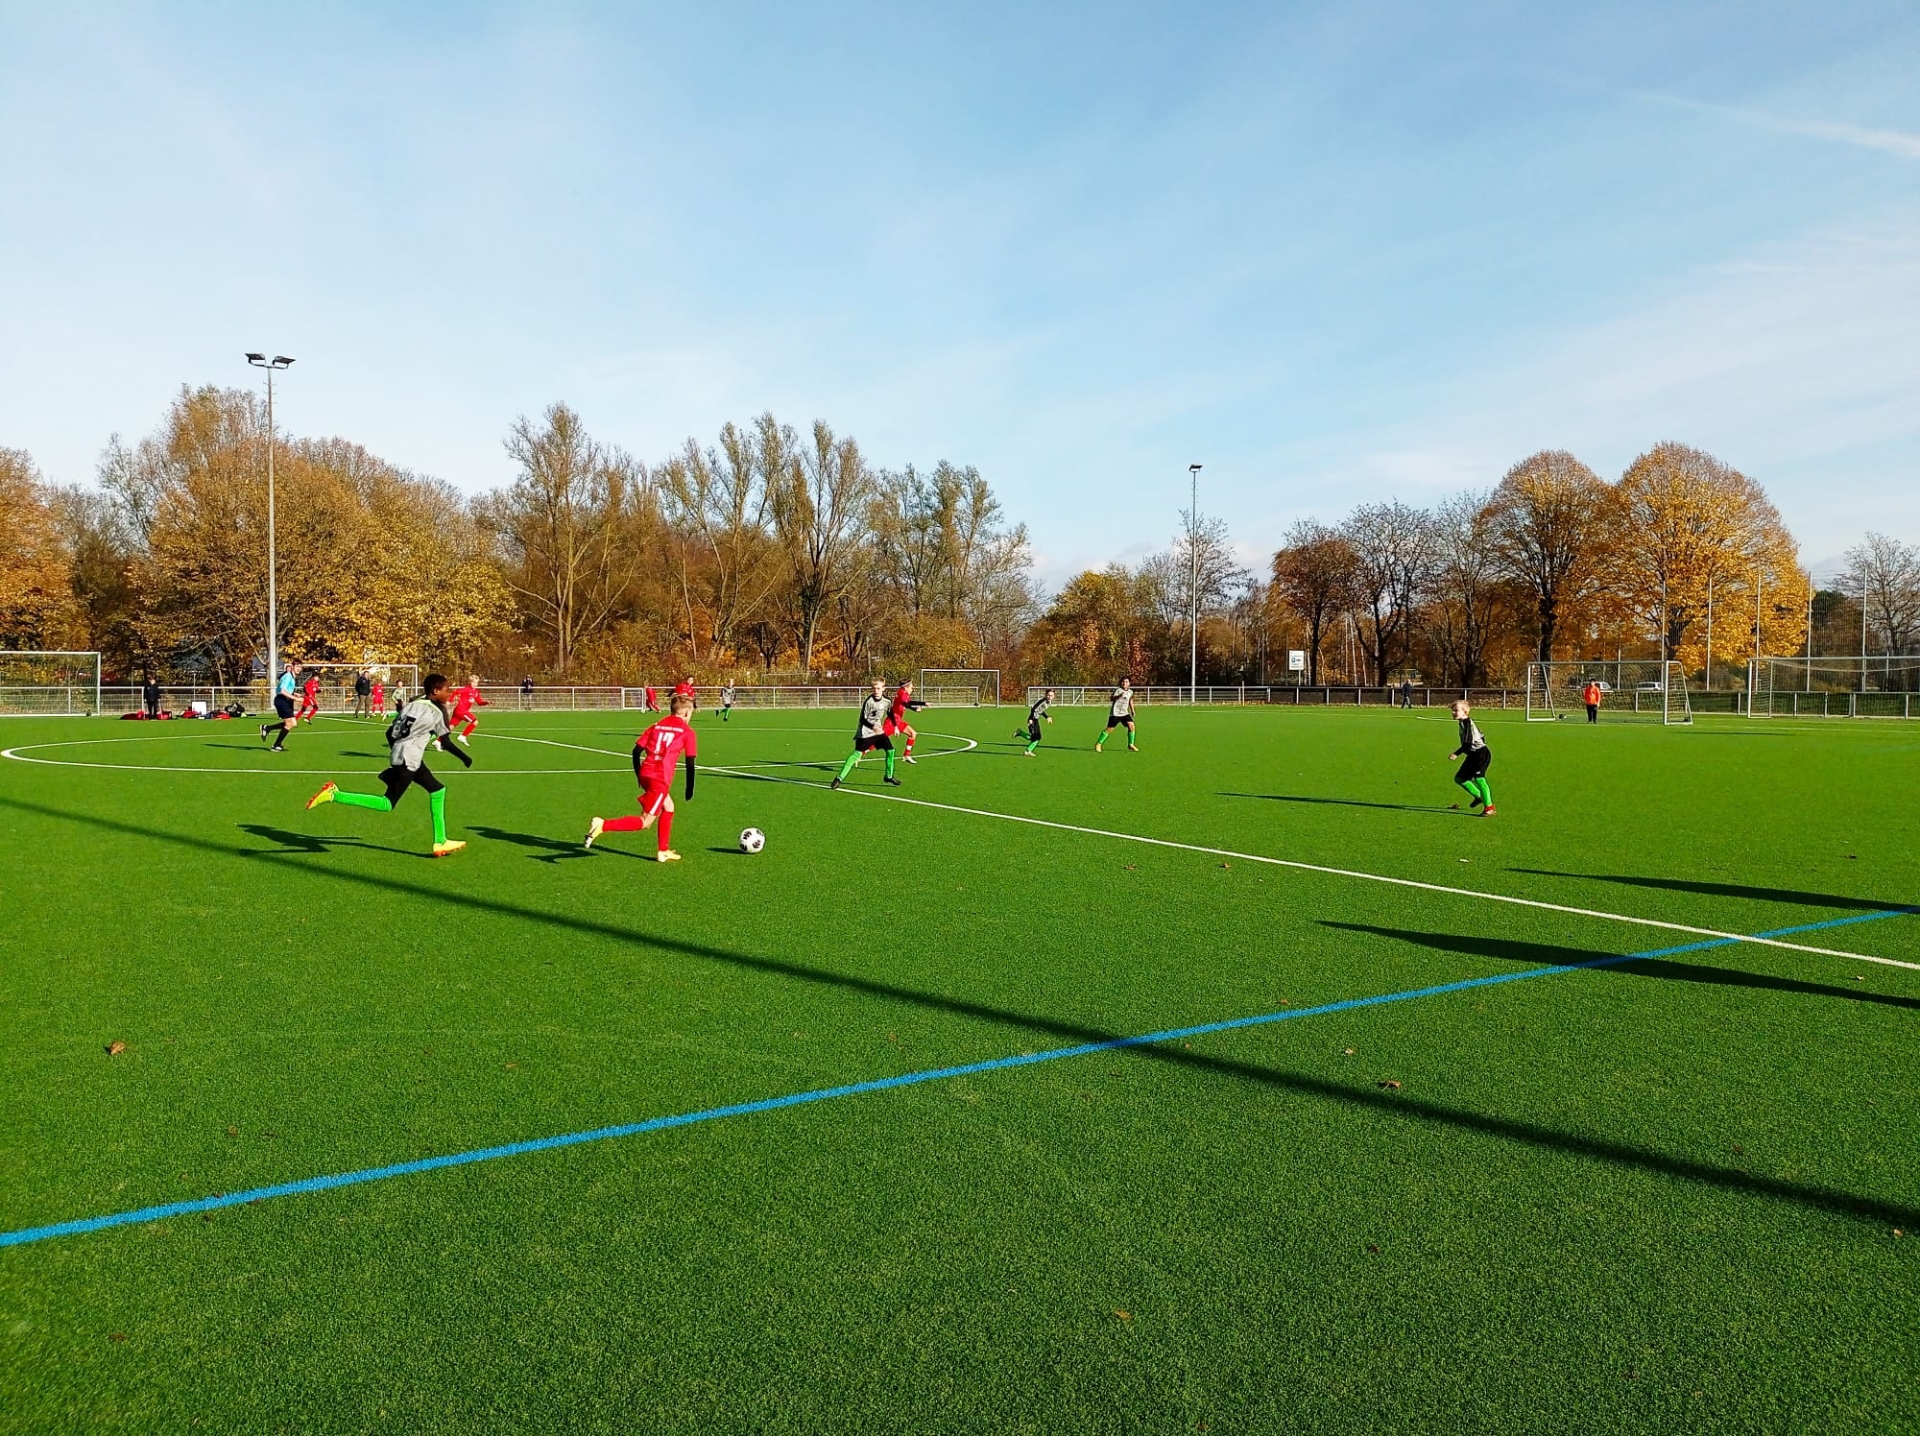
1478, 761
399, 779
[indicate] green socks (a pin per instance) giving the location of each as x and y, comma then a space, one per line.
889, 762
366, 800
1034, 744
847, 767
1484, 792
439, 801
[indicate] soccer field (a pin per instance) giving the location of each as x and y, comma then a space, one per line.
867, 1141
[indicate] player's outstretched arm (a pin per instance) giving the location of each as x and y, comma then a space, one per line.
461, 753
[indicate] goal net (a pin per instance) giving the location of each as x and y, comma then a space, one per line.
42, 681
1877, 685
336, 682
949, 687
1642, 690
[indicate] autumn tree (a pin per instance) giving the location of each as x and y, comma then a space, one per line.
1095, 630
719, 500
821, 491
1315, 577
1548, 526
1883, 577
572, 528
1468, 595
1392, 547
36, 575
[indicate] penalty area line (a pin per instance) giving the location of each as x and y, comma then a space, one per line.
308, 1185
1758, 939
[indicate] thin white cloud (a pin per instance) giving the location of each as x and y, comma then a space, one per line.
1899, 143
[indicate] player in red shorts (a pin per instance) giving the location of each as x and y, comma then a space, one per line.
465, 699
897, 724
684, 689
380, 697
309, 697
651, 699
654, 755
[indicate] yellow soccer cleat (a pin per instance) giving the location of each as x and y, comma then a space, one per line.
325, 795
441, 850
666, 855
594, 829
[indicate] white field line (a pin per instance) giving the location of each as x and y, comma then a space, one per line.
1345, 872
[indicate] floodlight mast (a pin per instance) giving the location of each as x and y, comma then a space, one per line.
1193, 589
272, 366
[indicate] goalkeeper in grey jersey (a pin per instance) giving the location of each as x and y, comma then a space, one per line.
417, 726
871, 733
1035, 716
1120, 715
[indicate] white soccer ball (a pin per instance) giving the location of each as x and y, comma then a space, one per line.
752, 840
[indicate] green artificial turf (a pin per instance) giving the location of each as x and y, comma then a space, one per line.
1659, 1196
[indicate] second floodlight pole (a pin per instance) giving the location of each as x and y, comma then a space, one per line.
272, 366
1193, 590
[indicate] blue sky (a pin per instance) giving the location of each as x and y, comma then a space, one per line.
1334, 252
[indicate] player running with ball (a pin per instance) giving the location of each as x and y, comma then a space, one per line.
654, 754
1479, 757
870, 733
1120, 715
418, 724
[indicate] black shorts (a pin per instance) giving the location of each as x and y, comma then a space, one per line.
868, 744
1033, 729
1476, 765
399, 779
1113, 723
282, 705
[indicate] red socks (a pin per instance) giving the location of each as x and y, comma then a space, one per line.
666, 827
621, 825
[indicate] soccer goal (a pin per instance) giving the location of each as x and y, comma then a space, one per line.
952, 684
1642, 690
1871, 686
37, 681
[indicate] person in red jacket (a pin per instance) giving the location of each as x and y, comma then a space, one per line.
655, 753
897, 724
466, 698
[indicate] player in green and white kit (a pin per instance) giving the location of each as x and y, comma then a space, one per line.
1036, 715
726, 702
871, 733
419, 724
1120, 715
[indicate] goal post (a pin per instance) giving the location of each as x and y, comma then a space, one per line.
951, 682
49, 681
1635, 690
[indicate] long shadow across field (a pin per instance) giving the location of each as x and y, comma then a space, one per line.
1342, 802
1546, 954
1378, 1102
1731, 890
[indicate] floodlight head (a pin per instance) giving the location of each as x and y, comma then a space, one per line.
253, 358
280, 361
1193, 468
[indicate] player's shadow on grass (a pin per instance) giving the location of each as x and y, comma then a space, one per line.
1400, 1106
312, 844
1545, 954
1343, 802
1730, 890
552, 850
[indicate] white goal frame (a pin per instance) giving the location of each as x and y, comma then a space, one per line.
1642, 688
18, 698
985, 683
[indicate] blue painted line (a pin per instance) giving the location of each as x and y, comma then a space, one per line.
307, 1185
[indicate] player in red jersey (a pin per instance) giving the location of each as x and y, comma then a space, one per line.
465, 699
654, 755
651, 698
684, 689
309, 697
379, 697
897, 724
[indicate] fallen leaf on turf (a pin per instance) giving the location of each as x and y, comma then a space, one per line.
1226, 865
233, 1131
512, 1066
1739, 1151
117, 1336
1897, 1232
1124, 1315
1372, 1248
114, 1049
1348, 1052
1391, 1084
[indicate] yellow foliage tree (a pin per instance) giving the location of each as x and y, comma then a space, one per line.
36, 588
1695, 548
